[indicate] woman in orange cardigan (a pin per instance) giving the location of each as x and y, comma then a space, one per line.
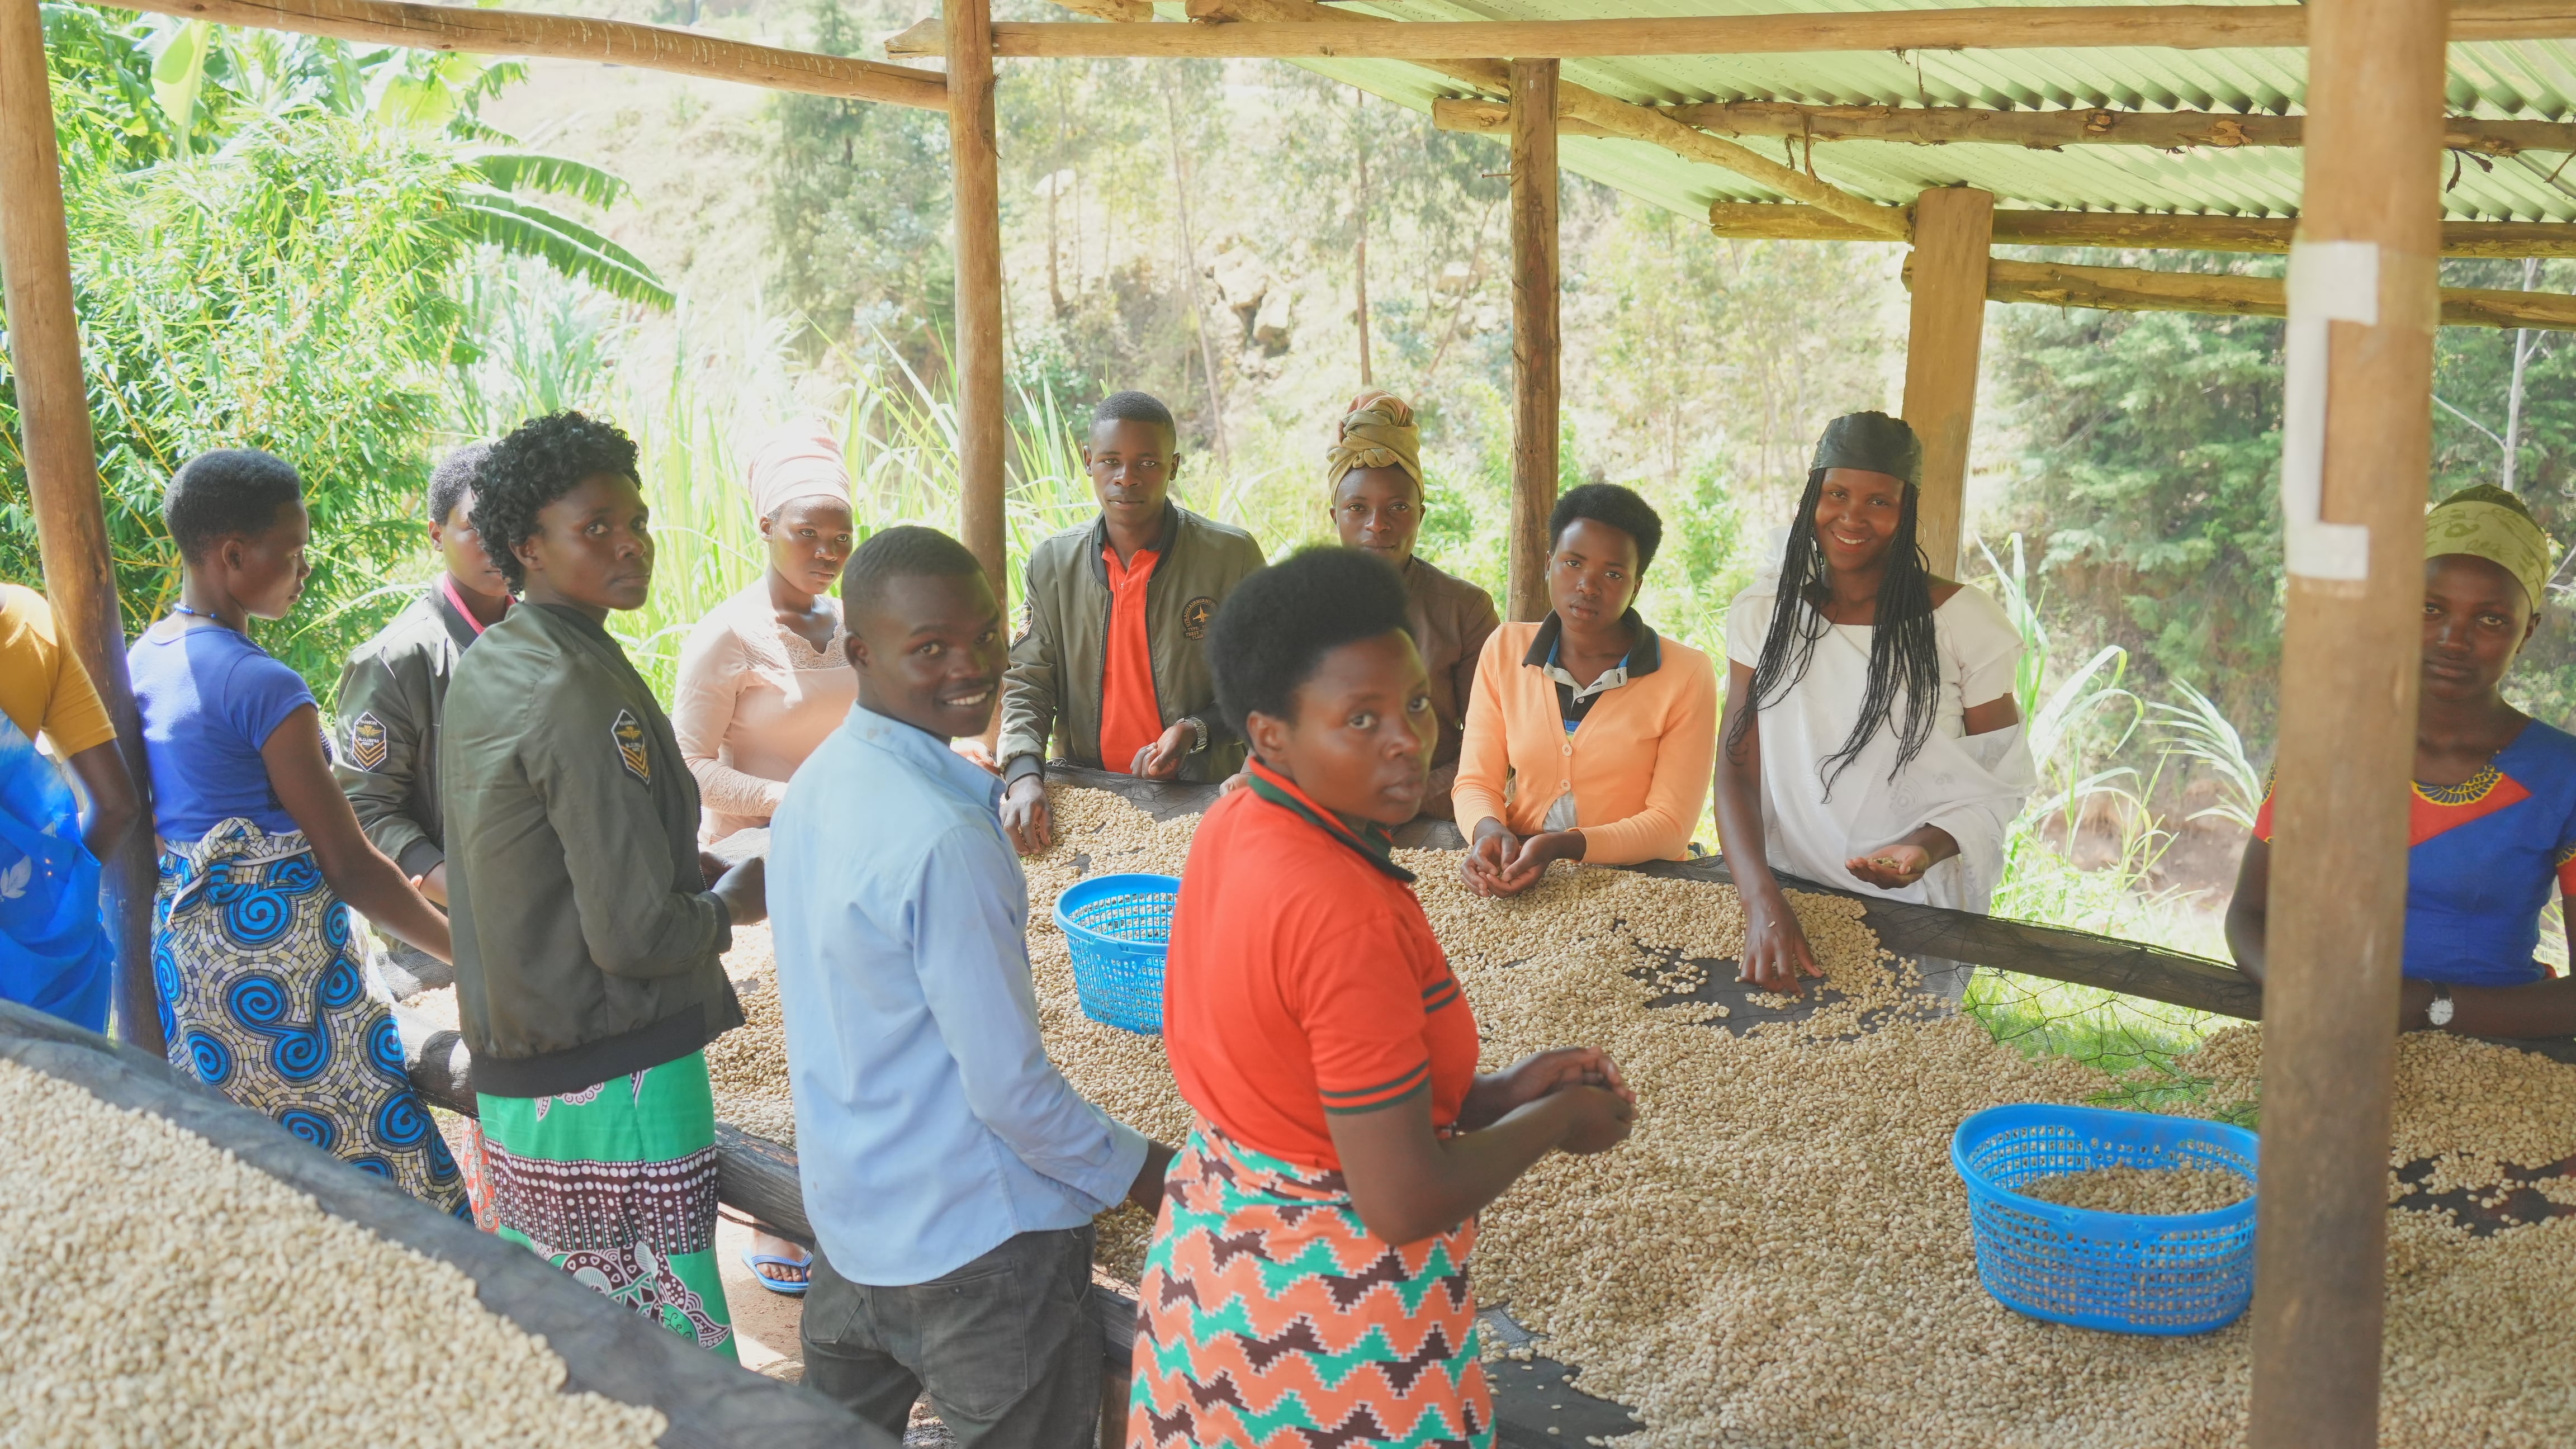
1604, 731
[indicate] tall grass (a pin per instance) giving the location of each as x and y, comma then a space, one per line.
2078, 728
898, 432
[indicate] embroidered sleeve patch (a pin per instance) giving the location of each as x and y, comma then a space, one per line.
367, 742
629, 734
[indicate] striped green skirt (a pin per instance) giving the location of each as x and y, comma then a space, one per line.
616, 1185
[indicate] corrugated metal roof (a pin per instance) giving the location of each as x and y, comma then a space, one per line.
2522, 80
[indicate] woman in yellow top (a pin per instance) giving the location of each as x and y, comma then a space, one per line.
1606, 730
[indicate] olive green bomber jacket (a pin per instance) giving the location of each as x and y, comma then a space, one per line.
587, 944
1059, 661
393, 697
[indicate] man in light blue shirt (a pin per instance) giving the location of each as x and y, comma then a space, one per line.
950, 1172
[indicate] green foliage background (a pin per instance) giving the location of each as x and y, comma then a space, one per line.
270, 238
2149, 478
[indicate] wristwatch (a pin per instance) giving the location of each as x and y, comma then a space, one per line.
2437, 1013
1199, 727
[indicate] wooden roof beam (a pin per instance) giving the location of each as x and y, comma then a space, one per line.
2130, 289
1759, 221
1127, 11
1610, 116
1343, 35
567, 37
2036, 130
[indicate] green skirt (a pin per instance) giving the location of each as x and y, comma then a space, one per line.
616, 1185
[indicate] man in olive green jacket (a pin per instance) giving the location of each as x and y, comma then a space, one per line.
393, 695
1110, 665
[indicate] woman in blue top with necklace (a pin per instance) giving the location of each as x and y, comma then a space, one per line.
264, 993
2492, 819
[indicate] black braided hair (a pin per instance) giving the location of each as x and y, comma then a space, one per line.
1902, 655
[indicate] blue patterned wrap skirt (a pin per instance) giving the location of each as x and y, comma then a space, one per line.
266, 998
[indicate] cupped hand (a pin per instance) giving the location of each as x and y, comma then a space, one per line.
1776, 953
1493, 848
1025, 816
1540, 1074
1892, 867
745, 891
1162, 759
1234, 782
1537, 852
1597, 1119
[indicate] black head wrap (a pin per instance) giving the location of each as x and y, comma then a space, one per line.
1874, 442
1902, 657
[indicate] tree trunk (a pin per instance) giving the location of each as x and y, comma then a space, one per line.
1360, 265
2525, 341
1190, 273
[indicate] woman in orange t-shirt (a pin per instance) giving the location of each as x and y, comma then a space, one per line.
1307, 1279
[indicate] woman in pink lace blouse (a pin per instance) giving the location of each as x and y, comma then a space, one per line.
762, 680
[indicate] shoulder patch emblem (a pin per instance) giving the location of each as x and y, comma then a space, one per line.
367, 742
1195, 615
628, 733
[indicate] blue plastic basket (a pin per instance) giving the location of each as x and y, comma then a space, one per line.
1118, 926
2125, 1272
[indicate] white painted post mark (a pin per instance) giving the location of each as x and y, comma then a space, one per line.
2329, 282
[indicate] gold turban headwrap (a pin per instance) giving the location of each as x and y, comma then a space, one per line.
1377, 432
2486, 522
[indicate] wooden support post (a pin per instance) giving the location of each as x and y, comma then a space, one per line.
1953, 234
973, 152
62, 471
2364, 292
1535, 336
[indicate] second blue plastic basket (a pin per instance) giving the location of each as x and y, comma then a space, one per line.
2125, 1272
1118, 926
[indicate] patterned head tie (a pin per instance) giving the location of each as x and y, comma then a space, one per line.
1377, 432
2486, 522
1872, 442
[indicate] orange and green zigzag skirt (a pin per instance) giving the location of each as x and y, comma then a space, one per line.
1271, 1319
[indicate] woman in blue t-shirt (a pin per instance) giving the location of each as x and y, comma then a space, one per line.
264, 993
2492, 816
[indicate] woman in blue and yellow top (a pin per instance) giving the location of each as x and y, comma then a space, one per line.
2493, 816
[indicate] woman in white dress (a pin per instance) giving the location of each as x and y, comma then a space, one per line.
1871, 739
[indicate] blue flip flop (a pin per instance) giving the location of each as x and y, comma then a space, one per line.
783, 1288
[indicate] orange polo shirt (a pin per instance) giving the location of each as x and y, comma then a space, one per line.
1130, 717
1304, 979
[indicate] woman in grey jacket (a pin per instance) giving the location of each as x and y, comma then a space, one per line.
587, 950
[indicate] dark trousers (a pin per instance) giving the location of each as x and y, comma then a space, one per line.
1007, 1346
